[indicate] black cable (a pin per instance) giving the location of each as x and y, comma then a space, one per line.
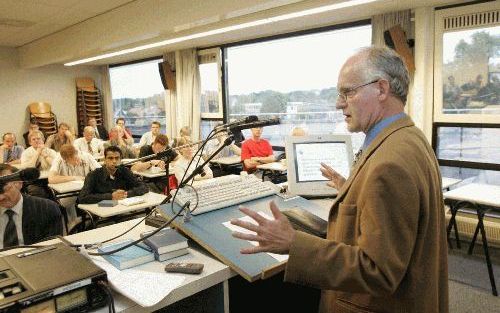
111, 300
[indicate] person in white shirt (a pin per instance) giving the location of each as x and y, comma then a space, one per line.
71, 164
216, 143
88, 143
37, 155
149, 137
181, 165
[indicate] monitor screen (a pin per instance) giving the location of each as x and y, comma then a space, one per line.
310, 155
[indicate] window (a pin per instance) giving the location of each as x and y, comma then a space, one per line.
138, 95
211, 108
466, 133
293, 78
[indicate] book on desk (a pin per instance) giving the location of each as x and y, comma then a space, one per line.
165, 241
126, 258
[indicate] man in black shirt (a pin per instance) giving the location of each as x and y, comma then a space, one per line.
111, 182
160, 144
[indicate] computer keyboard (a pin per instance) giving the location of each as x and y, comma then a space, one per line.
131, 201
224, 191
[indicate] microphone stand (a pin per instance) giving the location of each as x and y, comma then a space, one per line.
199, 168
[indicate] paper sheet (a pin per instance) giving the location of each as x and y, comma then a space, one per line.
146, 284
279, 257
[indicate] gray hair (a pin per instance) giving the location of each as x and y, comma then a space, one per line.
385, 63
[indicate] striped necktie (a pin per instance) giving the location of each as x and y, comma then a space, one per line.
89, 147
10, 233
9, 156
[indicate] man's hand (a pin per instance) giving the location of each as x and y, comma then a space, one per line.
119, 194
158, 163
273, 236
335, 179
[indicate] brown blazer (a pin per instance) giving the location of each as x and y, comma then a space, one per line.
386, 246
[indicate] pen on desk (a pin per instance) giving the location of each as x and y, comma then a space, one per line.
35, 251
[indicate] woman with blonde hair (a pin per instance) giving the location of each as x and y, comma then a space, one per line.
186, 155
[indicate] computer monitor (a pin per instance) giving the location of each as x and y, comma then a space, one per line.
304, 157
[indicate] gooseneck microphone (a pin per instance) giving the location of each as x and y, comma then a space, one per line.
248, 119
26, 174
257, 124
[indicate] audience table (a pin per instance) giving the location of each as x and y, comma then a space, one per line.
482, 198
271, 168
151, 200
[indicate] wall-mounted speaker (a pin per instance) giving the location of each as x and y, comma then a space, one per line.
167, 76
395, 38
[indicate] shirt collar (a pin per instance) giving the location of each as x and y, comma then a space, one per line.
375, 130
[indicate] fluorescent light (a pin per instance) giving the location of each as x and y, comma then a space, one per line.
222, 30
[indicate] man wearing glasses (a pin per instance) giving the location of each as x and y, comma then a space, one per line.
386, 248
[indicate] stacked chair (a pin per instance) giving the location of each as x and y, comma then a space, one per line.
42, 114
88, 103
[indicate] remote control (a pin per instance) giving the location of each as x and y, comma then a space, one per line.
188, 268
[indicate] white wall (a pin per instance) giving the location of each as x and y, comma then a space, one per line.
53, 83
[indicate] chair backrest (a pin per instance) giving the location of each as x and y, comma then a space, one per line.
40, 109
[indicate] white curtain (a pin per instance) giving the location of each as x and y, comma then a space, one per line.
171, 101
107, 97
187, 76
383, 22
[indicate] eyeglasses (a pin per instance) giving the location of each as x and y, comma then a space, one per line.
350, 92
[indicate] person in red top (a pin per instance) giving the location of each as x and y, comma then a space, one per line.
255, 151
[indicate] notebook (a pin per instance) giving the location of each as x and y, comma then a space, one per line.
171, 254
127, 258
166, 240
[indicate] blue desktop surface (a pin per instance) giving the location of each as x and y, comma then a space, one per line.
208, 231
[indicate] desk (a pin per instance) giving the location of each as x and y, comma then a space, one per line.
271, 167
149, 173
447, 183
482, 198
67, 189
152, 199
214, 272
226, 165
231, 160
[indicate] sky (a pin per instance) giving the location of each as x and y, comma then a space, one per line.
300, 63
140, 80
451, 39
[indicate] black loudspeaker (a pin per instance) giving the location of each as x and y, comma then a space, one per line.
167, 76
395, 38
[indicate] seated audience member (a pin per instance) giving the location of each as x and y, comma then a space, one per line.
149, 137
88, 143
71, 164
185, 131
160, 144
255, 151
127, 134
216, 143
63, 136
181, 165
100, 131
24, 219
32, 126
111, 182
116, 140
38, 155
10, 152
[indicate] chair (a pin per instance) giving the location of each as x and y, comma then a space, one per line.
88, 102
42, 114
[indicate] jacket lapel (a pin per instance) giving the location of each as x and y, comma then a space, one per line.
393, 127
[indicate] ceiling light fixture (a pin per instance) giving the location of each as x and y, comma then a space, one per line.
222, 30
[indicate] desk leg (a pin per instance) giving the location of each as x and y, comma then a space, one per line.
453, 223
480, 225
225, 286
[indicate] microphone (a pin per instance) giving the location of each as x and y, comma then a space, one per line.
248, 119
257, 124
26, 174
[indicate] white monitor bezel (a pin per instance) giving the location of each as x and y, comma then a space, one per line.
316, 188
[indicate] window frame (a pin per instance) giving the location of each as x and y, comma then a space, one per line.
109, 107
439, 20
